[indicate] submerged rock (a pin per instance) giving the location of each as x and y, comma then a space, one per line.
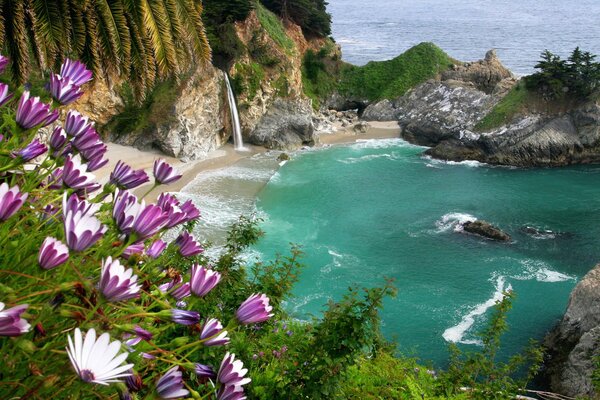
485, 229
575, 342
361, 127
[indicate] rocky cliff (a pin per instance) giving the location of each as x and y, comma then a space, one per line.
447, 114
194, 117
575, 341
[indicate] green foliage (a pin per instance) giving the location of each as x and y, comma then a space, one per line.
225, 43
311, 15
217, 12
319, 74
274, 28
390, 79
577, 77
512, 104
138, 40
482, 373
384, 376
155, 109
247, 79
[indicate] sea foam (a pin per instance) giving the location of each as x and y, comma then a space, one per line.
541, 272
453, 221
456, 334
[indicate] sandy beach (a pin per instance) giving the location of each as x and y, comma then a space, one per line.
224, 156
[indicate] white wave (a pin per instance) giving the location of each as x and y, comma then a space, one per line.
453, 221
382, 143
354, 160
456, 333
282, 163
432, 162
540, 271
333, 253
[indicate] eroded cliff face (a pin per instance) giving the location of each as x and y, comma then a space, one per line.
575, 342
274, 112
195, 123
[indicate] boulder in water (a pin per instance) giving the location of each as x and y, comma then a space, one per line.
485, 229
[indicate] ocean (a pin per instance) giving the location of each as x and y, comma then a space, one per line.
518, 29
378, 208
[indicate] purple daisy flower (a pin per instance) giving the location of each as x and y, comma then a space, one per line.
203, 280
125, 177
205, 371
184, 317
52, 253
213, 333
190, 210
11, 323
3, 63
181, 291
58, 139
82, 229
170, 385
231, 392
32, 112
96, 361
134, 382
75, 71
187, 245
11, 200
137, 248
31, 151
118, 283
149, 221
96, 163
5, 95
164, 173
76, 124
232, 371
125, 210
64, 90
156, 248
255, 309
75, 174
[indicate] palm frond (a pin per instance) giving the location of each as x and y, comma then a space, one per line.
17, 45
155, 21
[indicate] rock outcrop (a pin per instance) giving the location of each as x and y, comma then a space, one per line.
486, 230
446, 108
533, 140
195, 125
484, 74
287, 125
575, 341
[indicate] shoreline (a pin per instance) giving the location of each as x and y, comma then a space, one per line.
225, 156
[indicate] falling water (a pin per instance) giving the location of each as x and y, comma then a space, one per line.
238, 143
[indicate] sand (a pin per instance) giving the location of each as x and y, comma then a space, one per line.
222, 157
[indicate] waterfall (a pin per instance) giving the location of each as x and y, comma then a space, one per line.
238, 143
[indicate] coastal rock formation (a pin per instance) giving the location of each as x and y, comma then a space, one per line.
287, 125
532, 140
485, 229
196, 122
485, 74
273, 109
575, 341
434, 111
442, 108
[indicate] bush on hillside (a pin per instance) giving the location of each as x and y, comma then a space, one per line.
311, 15
577, 77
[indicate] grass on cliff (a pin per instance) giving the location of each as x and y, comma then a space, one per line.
319, 73
393, 78
521, 100
273, 26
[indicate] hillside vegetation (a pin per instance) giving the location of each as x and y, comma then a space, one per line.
393, 78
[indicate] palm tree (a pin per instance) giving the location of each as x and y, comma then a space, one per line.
140, 40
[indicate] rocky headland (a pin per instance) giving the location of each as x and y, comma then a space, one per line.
574, 344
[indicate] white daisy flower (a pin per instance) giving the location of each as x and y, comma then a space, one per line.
94, 360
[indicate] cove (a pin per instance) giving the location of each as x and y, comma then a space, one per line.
378, 209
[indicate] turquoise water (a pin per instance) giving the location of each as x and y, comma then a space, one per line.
378, 208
